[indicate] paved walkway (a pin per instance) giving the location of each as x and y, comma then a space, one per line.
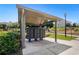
74, 50
48, 47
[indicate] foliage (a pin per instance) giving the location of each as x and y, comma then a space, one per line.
48, 24
74, 25
13, 25
76, 29
3, 26
10, 25
68, 25
9, 43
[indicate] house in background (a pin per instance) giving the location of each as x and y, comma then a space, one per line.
61, 23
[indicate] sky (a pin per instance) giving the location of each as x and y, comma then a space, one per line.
8, 12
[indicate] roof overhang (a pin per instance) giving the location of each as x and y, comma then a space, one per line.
36, 17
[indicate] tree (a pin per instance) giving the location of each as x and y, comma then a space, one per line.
0, 26
13, 25
3, 26
68, 25
48, 24
74, 25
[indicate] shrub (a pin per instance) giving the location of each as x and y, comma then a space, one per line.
9, 43
76, 29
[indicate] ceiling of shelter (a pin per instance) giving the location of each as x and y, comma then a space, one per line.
37, 17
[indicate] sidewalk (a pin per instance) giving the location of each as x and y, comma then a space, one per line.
48, 47
74, 50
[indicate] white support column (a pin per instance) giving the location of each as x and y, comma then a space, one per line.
22, 27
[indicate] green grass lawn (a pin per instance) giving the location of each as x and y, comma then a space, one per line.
61, 29
62, 37
3, 33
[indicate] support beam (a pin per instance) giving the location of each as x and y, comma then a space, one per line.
55, 31
22, 28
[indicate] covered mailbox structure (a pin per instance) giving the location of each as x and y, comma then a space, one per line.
28, 15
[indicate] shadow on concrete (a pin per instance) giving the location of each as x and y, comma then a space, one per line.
44, 47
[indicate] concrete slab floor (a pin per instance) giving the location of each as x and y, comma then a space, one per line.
45, 47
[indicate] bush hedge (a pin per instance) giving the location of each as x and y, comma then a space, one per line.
9, 43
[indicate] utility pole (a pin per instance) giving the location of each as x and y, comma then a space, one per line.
65, 15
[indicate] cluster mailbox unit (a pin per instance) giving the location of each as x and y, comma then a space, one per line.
35, 32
